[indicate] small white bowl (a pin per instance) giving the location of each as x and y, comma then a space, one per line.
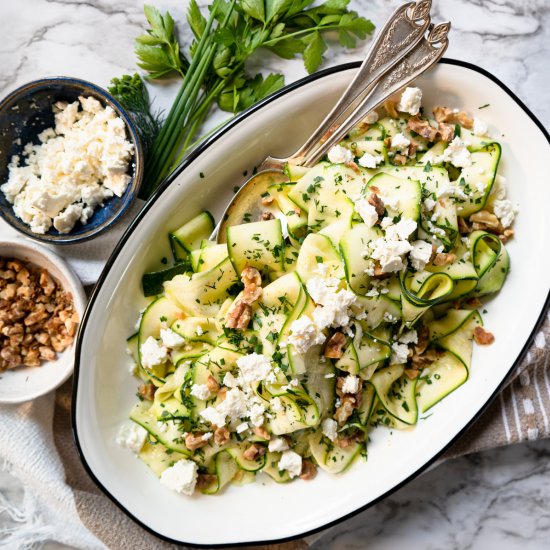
26, 383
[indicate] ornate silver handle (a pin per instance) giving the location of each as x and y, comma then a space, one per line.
416, 62
401, 33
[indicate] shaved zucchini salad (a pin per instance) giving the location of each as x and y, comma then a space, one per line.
352, 304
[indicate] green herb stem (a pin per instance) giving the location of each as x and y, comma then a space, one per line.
214, 71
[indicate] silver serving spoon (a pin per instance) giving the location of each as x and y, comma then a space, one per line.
398, 56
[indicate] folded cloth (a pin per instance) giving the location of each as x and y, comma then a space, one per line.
62, 503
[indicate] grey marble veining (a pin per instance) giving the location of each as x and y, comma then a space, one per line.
495, 499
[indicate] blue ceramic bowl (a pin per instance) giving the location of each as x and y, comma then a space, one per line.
25, 113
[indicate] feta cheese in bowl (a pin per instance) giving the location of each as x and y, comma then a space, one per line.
70, 160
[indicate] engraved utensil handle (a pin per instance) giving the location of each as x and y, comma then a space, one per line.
419, 60
400, 34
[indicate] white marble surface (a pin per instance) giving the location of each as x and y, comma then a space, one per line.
496, 498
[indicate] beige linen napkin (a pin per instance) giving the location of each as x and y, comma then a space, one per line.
520, 413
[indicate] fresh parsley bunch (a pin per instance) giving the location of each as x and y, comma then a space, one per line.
214, 71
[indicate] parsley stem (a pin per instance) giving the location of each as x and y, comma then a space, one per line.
298, 33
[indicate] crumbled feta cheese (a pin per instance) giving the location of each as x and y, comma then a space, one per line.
480, 187
170, 338
452, 190
242, 427
434, 229
330, 375
277, 445
389, 318
206, 436
429, 204
330, 428
370, 161
339, 155
389, 253
390, 201
213, 416
73, 169
410, 337
351, 384
371, 118
276, 405
230, 381
87, 213
199, 331
254, 367
480, 128
66, 220
457, 154
400, 143
256, 414
200, 391
291, 462
410, 101
505, 211
336, 303
420, 254
336, 311
152, 353
366, 210
181, 477
399, 354
321, 289
132, 437
402, 230
378, 286
234, 405
498, 191
321, 269
305, 334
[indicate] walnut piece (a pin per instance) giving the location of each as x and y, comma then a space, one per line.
254, 451
443, 258
486, 221
147, 391
423, 128
205, 480
376, 201
212, 384
262, 432
334, 346
37, 317
444, 114
463, 227
239, 314
483, 337
221, 435
506, 235
309, 471
347, 404
267, 200
195, 441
